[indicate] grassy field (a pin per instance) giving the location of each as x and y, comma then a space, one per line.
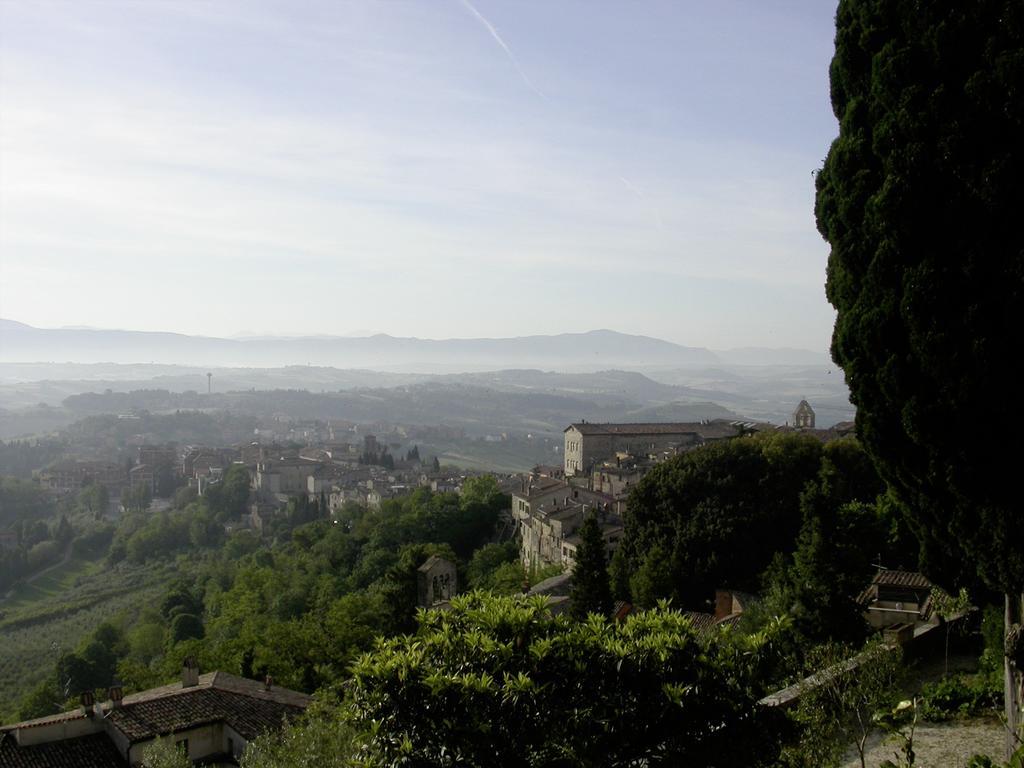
516, 455
40, 620
47, 586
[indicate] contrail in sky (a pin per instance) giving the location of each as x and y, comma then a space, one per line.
508, 51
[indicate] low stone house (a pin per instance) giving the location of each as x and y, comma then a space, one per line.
436, 581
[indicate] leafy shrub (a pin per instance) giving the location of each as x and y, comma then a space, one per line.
959, 696
984, 761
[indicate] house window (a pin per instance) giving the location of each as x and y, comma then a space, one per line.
231, 746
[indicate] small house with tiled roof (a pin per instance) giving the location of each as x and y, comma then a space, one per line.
898, 597
212, 717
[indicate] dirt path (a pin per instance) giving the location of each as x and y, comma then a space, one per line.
939, 745
63, 561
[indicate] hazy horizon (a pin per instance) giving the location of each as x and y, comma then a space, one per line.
433, 170
369, 334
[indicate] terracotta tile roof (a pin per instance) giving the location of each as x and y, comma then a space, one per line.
171, 714
246, 705
728, 621
430, 562
95, 751
911, 579
60, 717
704, 429
703, 623
621, 609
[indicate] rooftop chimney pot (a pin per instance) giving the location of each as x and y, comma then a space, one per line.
189, 672
116, 694
87, 699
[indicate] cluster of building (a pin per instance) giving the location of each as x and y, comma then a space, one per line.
340, 462
366, 471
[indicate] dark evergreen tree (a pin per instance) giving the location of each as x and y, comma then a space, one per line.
63, 532
653, 579
920, 199
720, 512
591, 588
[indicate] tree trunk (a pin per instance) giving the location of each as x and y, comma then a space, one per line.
1014, 677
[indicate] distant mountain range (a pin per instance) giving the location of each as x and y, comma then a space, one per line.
591, 351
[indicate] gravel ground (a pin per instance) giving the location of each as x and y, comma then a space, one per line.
939, 745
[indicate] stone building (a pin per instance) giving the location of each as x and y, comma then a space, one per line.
70, 476
803, 416
285, 475
436, 581
587, 445
549, 512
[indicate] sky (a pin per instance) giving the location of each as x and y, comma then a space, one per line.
430, 168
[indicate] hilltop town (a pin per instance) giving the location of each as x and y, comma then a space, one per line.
331, 464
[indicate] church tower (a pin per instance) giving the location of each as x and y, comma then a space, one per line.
803, 416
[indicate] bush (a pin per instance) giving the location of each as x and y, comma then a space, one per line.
185, 626
93, 542
42, 554
959, 696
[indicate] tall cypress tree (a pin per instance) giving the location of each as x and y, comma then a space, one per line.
920, 199
591, 588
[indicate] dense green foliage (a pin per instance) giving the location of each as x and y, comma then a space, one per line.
182, 426
58, 614
716, 516
46, 528
920, 199
961, 696
22, 500
837, 707
500, 680
841, 539
298, 605
320, 738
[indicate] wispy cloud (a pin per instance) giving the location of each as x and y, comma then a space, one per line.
504, 46
631, 186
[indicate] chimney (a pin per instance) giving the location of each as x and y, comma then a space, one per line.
116, 694
189, 672
87, 699
723, 603
268, 683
